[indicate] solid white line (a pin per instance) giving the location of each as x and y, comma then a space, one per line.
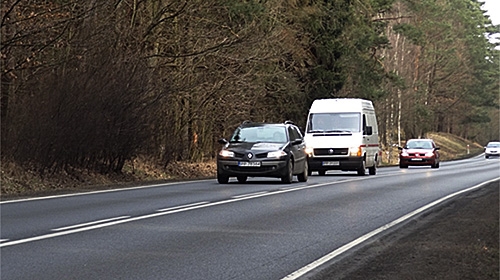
248, 194
182, 206
90, 223
3, 240
101, 191
315, 264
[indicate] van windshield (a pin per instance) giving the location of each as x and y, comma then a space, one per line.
334, 122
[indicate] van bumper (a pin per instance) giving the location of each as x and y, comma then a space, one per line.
338, 163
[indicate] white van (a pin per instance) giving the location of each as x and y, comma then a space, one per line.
342, 134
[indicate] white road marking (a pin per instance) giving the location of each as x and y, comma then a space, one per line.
248, 194
101, 191
90, 223
182, 206
166, 212
321, 261
3, 240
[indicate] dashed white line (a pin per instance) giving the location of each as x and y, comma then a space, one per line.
90, 223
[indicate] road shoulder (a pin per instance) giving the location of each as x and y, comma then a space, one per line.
458, 239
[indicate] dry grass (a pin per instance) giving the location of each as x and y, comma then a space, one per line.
17, 181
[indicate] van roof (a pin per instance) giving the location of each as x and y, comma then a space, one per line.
340, 105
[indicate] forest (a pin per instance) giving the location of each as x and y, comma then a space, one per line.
93, 84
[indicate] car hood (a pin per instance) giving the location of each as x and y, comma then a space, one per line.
256, 147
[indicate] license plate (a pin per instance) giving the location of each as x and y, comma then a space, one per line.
331, 163
416, 159
249, 163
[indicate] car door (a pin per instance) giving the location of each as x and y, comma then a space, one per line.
298, 148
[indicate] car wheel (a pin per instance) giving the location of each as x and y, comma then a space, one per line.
242, 179
222, 179
362, 170
304, 175
403, 166
373, 170
487, 156
289, 173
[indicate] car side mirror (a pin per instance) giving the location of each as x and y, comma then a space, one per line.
297, 141
437, 148
222, 141
400, 148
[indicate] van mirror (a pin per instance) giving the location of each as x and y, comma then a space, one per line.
368, 130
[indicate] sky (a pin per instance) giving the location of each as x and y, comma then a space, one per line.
493, 10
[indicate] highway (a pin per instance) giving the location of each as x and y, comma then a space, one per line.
262, 229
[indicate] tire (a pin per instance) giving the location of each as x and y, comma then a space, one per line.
403, 166
222, 179
362, 170
373, 170
287, 179
302, 177
242, 179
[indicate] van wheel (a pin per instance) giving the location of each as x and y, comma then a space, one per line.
362, 170
373, 170
302, 177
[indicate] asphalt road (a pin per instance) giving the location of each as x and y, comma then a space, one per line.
202, 230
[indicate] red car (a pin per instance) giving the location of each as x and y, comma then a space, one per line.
419, 152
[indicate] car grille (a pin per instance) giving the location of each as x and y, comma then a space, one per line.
416, 154
240, 155
250, 169
331, 152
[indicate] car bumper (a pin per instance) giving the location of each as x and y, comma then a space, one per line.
335, 163
275, 168
417, 161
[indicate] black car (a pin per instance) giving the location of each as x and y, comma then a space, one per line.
263, 150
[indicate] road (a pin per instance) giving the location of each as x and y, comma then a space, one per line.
203, 230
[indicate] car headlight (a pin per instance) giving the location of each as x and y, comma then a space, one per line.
276, 154
309, 150
429, 154
355, 152
226, 153
404, 153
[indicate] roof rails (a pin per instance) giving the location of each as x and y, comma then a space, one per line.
289, 122
246, 122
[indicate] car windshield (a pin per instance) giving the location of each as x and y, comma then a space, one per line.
270, 134
419, 145
334, 122
493, 145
